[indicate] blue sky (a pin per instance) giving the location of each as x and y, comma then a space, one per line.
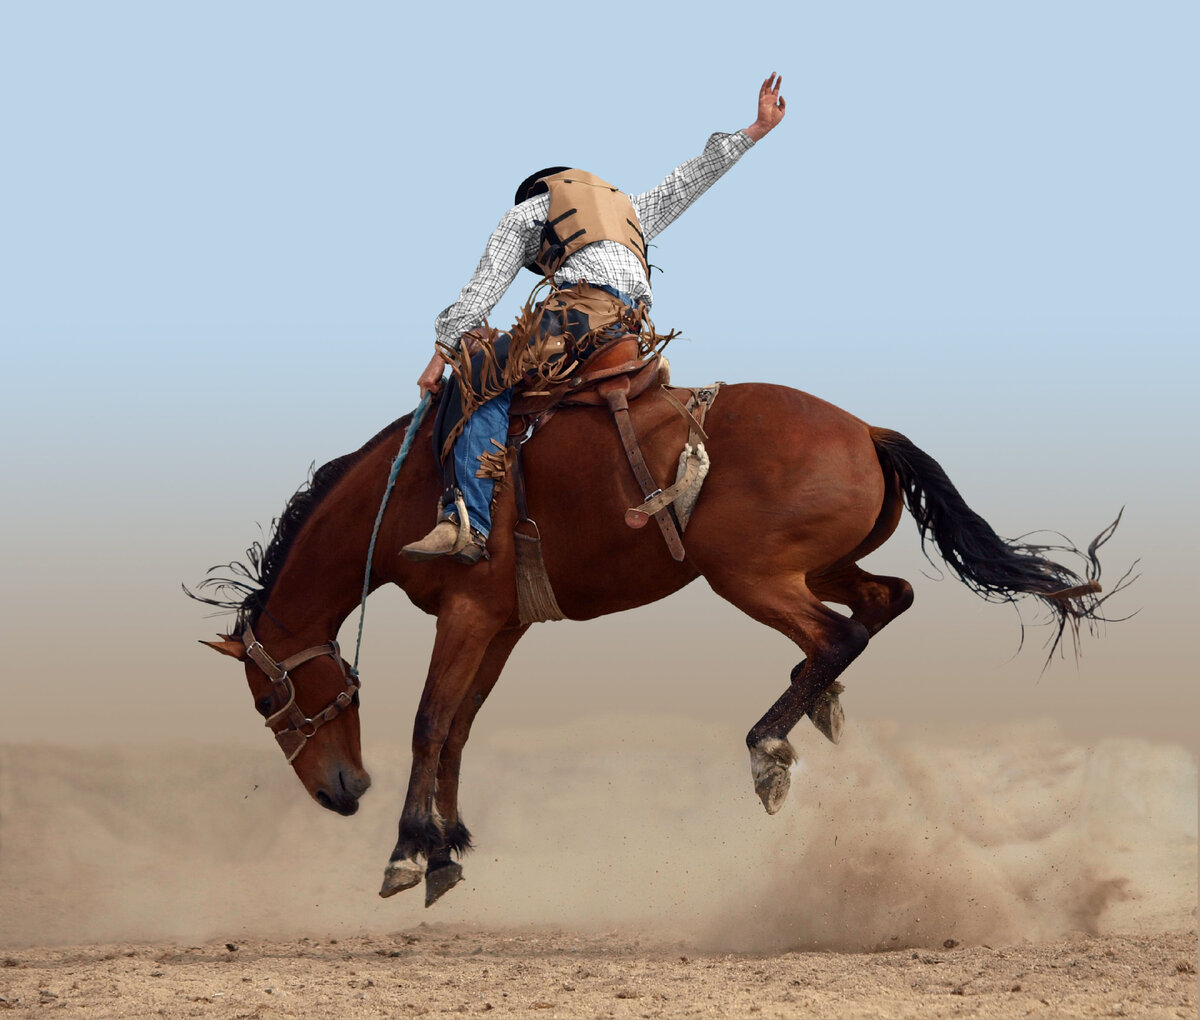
226, 230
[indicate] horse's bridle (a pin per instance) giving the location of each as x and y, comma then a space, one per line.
293, 738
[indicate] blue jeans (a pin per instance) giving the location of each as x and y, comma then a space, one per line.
490, 422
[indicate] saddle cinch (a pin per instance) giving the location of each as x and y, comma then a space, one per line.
612, 377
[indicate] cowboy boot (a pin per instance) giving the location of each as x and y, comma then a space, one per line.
443, 539
451, 534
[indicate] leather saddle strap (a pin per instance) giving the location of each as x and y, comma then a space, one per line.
600, 374
696, 431
518, 477
665, 497
518, 465
618, 404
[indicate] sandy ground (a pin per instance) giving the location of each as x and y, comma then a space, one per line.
624, 868
449, 971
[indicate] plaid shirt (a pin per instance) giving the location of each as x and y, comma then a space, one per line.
515, 242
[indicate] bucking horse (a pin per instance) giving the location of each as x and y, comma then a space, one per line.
797, 491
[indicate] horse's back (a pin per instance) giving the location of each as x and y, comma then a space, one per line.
788, 471
794, 479
765, 434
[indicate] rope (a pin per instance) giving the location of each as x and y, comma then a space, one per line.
409, 436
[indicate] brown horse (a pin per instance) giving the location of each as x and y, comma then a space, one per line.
798, 492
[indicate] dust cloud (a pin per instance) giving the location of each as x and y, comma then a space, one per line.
894, 838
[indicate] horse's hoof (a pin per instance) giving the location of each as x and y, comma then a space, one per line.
400, 875
827, 715
440, 881
770, 760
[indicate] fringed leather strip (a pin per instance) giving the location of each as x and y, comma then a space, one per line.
494, 463
535, 362
535, 597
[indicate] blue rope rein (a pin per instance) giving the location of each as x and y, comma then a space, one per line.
409, 436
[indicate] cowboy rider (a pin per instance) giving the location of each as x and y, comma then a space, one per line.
612, 268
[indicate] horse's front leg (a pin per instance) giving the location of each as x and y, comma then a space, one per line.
463, 635
443, 873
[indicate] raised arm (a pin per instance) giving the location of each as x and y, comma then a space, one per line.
659, 207
771, 108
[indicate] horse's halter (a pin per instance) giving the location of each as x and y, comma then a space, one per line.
293, 738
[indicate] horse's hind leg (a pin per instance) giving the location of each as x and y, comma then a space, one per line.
874, 601
830, 642
442, 872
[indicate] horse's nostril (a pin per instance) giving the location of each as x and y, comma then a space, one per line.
342, 805
355, 784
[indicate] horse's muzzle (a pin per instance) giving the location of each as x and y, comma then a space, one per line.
343, 796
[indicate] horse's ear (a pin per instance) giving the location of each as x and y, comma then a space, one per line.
228, 645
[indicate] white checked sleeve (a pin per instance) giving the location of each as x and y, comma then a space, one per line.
659, 207
513, 244
515, 241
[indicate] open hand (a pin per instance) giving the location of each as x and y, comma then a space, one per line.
771, 107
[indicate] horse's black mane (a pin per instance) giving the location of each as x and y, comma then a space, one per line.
247, 586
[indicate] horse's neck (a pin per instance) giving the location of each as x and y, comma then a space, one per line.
321, 581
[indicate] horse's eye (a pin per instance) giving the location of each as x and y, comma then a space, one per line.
354, 700
263, 705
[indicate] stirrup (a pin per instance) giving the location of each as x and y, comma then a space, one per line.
457, 519
464, 524
474, 551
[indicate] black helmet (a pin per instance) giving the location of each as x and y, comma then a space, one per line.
532, 185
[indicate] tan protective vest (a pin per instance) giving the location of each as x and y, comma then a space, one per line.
583, 210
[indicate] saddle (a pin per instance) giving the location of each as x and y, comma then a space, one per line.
614, 376
618, 363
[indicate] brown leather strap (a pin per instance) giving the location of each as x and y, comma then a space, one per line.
616, 395
699, 402
293, 739
518, 477
695, 426
600, 374
517, 442
290, 663
637, 516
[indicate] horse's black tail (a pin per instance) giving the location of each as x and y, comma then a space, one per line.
995, 568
